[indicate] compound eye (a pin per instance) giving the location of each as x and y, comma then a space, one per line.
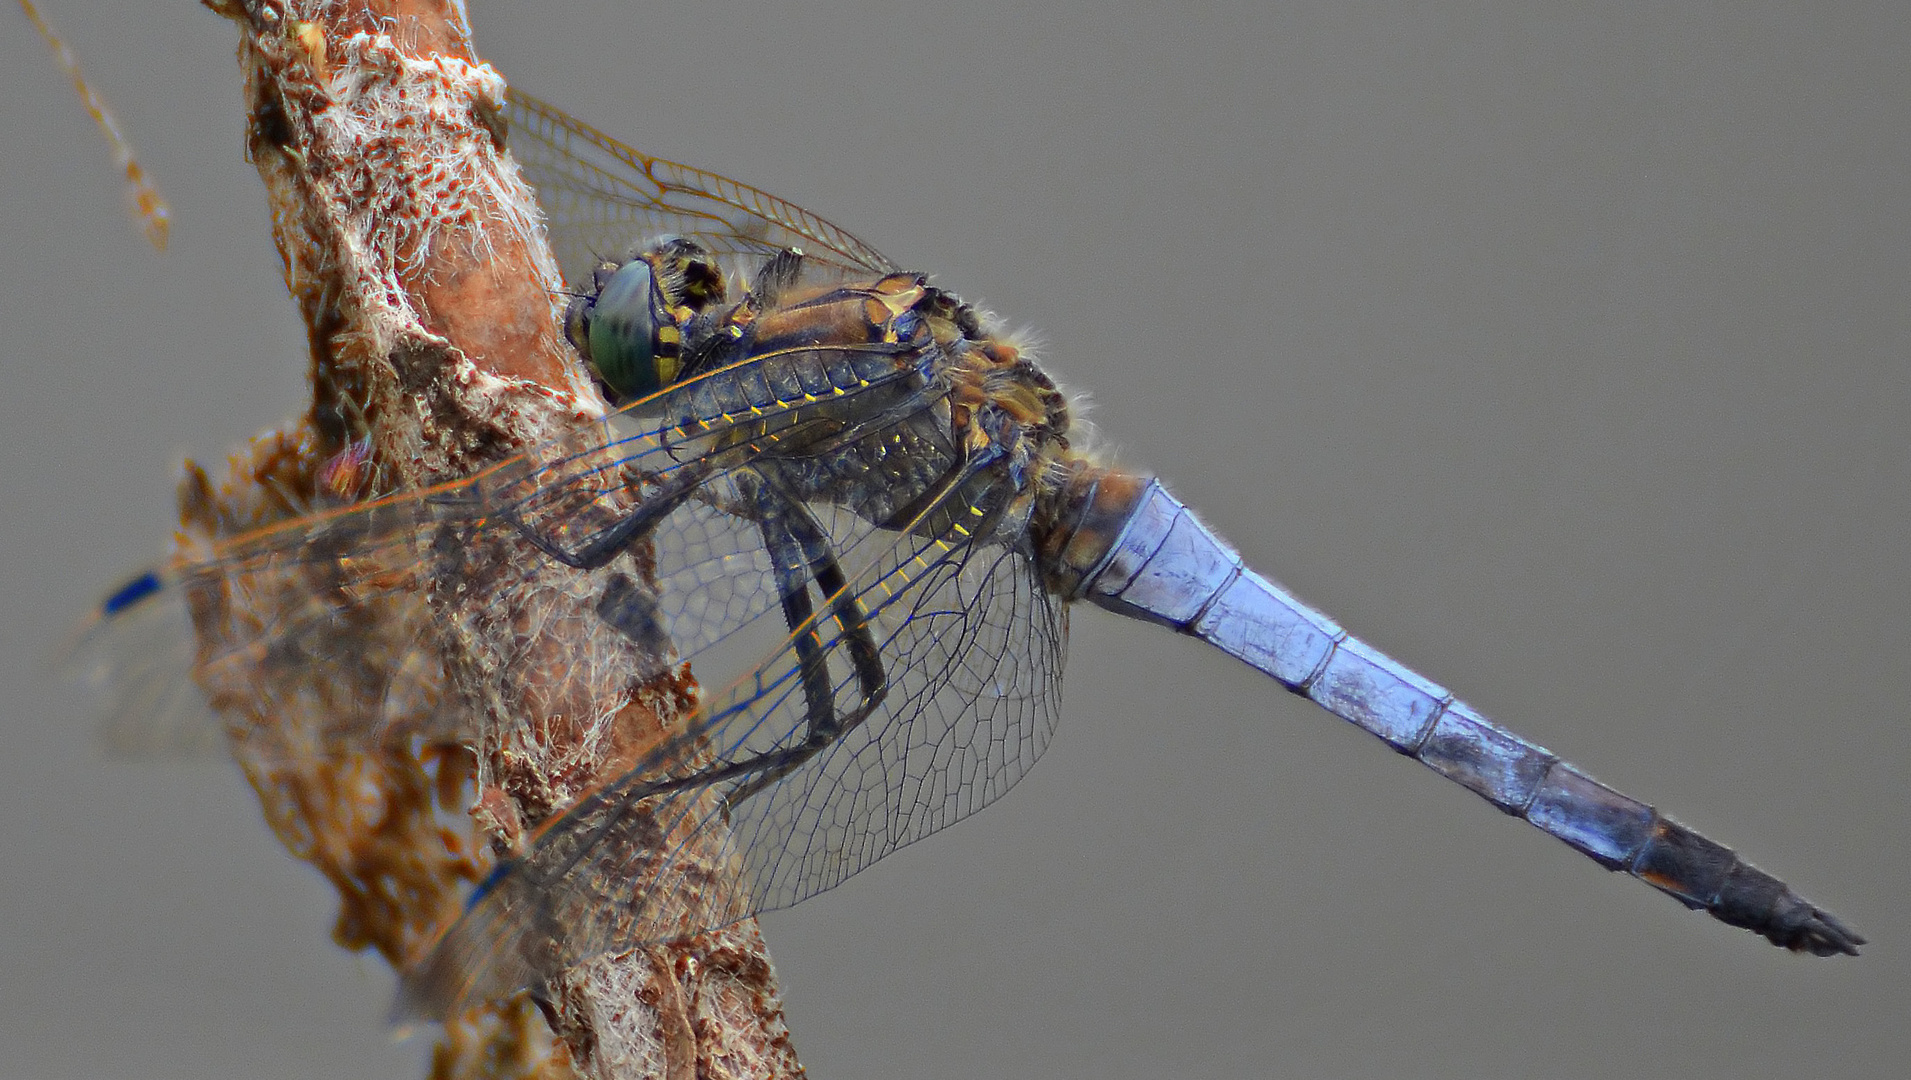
623, 332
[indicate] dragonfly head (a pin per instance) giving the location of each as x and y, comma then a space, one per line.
631, 326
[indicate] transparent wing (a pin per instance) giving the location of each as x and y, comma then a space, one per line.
335, 670
600, 197
344, 591
752, 811
912, 672
897, 676
136, 658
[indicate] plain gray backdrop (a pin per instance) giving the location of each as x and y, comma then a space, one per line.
1558, 349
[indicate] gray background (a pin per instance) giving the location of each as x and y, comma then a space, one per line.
1558, 349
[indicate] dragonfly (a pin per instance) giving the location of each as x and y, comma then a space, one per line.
866, 508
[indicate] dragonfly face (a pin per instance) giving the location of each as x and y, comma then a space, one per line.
849, 460
631, 328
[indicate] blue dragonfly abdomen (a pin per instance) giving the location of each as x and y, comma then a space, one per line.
1130, 547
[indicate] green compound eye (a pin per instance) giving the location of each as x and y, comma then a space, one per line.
623, 333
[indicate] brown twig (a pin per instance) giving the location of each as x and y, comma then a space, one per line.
413, 253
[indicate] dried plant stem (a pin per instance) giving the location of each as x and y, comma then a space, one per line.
412, 251
143, 200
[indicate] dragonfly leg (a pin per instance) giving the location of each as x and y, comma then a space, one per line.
609, 543
801, 554
633, 611
531, 893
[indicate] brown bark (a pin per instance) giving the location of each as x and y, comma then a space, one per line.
413, 254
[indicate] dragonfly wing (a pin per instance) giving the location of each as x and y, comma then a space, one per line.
973, 649
334, 607
319, 618
601, 197
970, 652
135, 657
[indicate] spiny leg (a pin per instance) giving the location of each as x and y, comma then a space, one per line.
609, 543
801, 553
